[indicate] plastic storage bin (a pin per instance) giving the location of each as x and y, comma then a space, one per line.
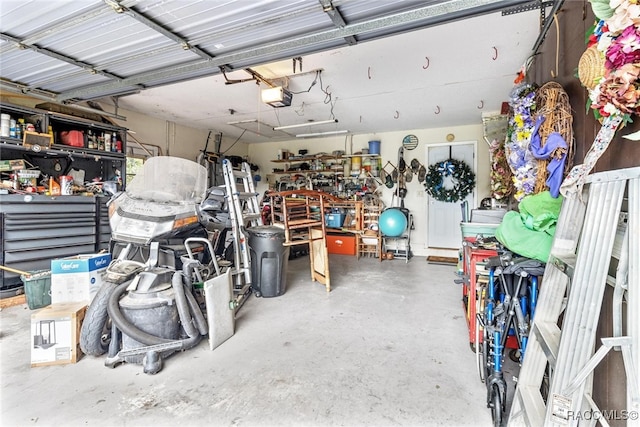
334, 220
269, 260
473, 229
37, 288
488, 216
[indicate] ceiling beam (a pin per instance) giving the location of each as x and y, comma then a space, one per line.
337, 18
45, 96
425, 16
20, 44
184, 43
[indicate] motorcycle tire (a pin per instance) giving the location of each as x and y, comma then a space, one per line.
95, 333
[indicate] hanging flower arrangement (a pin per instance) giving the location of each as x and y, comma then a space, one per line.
614, 84
616, 37
501, 181
521, 124
464, 180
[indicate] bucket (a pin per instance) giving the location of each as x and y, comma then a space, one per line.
65, 185
5, 125
374, 147
366, 164
347, 168
37, 288
356, 162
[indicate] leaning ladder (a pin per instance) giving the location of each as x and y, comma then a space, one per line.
244, 212
574, 282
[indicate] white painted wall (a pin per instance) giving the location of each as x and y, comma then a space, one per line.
173, 138
416, 200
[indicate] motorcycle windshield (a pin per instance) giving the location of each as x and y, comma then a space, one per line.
169, 179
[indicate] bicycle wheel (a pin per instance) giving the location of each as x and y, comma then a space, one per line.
496, 409
496, 406
486, 357
479, 349
479, 357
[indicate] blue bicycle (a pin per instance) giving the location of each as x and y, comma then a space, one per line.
509, 306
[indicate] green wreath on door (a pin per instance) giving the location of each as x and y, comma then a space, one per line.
463, 178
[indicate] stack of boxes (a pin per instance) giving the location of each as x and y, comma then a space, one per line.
55, 329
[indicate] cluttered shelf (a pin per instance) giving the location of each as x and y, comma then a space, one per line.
50, 153
322, 157
343, 175
8, 143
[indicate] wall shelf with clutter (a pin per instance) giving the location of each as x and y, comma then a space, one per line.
337, 173
84, 136
58, 145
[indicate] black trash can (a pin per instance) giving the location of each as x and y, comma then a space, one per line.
269, 259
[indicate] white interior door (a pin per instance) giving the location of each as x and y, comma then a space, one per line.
444, 218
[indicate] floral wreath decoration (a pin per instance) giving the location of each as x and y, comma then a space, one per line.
616, 36
522, 163
614, 89
462, 175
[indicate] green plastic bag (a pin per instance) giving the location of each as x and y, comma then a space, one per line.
530, 231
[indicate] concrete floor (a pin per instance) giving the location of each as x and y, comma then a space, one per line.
388, 346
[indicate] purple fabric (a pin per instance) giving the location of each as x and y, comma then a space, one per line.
555, 167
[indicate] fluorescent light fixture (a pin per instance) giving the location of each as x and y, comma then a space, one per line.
311, 135
260, 128
322, 122
276, 96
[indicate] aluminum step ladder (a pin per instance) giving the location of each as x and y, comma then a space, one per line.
244, 212
573, 286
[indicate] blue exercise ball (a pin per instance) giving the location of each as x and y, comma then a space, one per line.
392, 222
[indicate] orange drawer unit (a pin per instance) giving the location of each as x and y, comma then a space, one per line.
342, 244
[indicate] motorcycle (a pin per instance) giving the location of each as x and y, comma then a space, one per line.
163, 231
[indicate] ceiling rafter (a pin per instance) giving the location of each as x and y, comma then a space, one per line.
337, 18
184, 43
422, 17
20, 44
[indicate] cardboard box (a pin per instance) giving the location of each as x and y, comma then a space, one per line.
77, 278
342, 244
11, 165
55, 334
